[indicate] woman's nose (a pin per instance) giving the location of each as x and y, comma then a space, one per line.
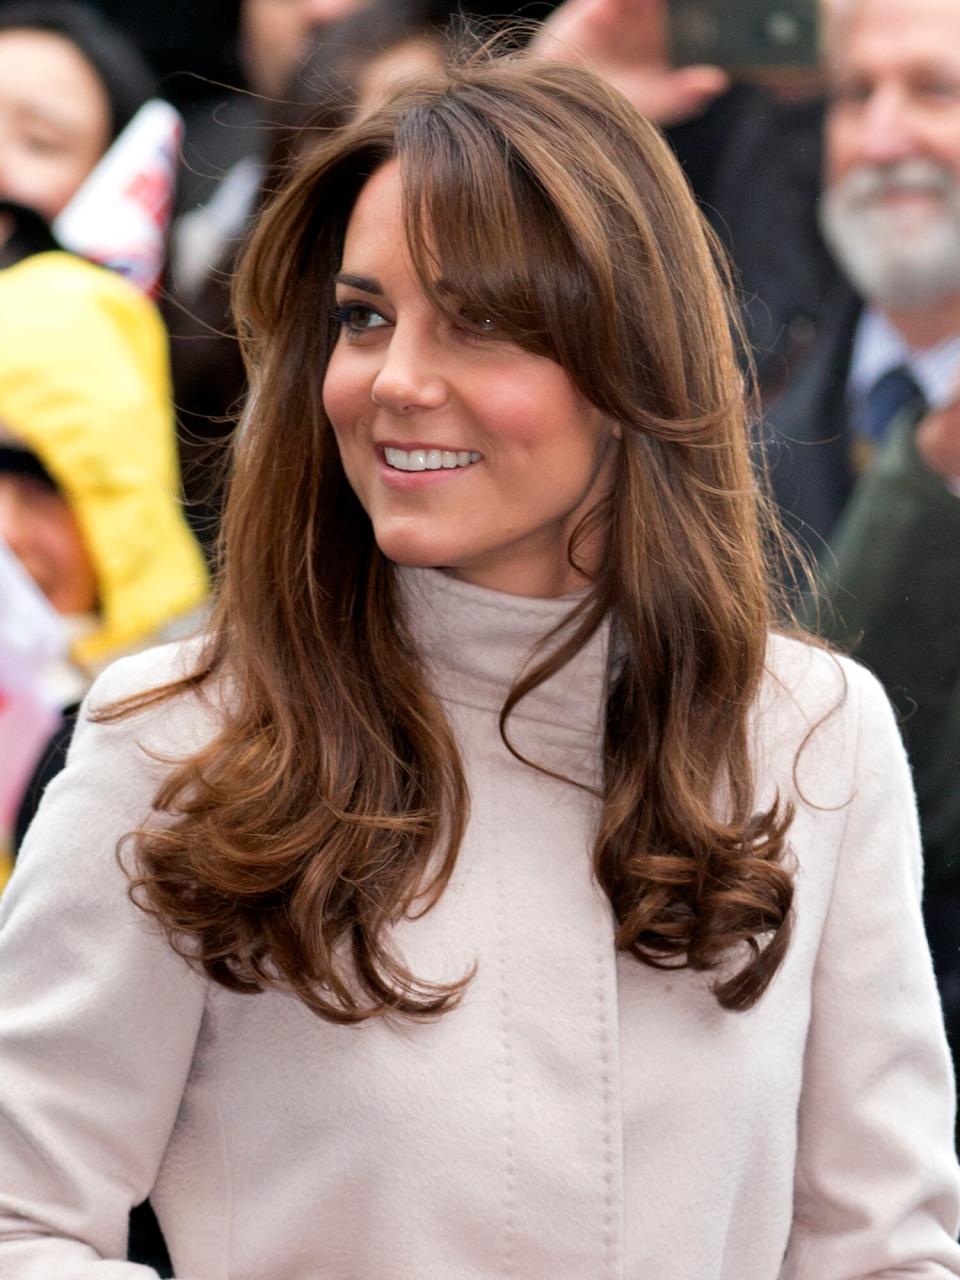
409, 379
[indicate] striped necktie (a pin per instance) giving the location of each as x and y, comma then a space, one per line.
887, 397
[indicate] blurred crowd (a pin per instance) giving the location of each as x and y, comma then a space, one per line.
836, 193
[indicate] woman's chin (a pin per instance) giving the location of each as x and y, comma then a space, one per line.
411, 556
409, 547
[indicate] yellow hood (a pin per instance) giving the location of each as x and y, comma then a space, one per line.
85, 384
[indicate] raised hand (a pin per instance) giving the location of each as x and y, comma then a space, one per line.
938, 441
625, 41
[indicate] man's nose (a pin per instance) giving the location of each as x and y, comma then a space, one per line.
886, 135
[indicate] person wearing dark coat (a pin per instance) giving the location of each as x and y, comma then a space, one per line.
890, 592
890, 331
807, 431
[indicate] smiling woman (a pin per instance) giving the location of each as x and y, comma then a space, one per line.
479, 910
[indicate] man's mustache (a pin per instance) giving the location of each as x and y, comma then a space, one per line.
869, 184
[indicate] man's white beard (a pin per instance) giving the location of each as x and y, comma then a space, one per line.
896, 255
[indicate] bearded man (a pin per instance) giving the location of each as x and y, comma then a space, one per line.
890, 213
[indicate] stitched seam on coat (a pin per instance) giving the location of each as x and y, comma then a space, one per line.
603, 1027
508, 1262
224, 1149
800, 1175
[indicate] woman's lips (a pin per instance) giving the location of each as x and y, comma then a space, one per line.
417, 466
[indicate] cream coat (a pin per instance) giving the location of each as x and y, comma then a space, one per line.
580, 1117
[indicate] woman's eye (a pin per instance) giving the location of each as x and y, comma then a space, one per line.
480, 325
358, 317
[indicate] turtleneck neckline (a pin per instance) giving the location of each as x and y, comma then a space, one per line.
477, 642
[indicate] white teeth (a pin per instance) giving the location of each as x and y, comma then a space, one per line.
429, 459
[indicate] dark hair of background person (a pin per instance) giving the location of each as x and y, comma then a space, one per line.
311, 822
28, 233
119, 65
326, 89
191, 46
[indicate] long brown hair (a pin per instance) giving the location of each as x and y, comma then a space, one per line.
332, 800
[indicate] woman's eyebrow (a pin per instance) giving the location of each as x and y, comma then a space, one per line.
364, 283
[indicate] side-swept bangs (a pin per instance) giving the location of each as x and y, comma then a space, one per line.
540, 203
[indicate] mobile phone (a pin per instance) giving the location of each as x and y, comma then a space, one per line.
744, 35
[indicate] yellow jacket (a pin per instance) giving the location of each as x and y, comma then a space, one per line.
85, 385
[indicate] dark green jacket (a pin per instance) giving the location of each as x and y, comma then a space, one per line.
891, 595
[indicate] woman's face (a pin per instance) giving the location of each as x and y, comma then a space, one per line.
467, 453
42, 532
54, 120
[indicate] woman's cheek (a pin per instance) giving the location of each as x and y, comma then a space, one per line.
335, 392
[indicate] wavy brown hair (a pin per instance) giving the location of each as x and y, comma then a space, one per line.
332, 800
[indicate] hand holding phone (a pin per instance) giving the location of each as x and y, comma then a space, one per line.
745, 35
627, 42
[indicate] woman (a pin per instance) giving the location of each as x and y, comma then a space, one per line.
69, 84
510, 901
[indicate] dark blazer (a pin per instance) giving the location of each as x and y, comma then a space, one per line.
806, 429
754, 165
891, 594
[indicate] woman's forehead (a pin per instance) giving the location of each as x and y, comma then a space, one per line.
375, 228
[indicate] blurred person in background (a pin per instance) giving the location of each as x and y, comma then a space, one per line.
69, 84
891, 215
890, 592
274, 38
88, 471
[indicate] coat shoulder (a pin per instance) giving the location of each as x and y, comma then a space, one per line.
135, 704
818, 712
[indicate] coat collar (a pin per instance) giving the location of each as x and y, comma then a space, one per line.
477, 643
